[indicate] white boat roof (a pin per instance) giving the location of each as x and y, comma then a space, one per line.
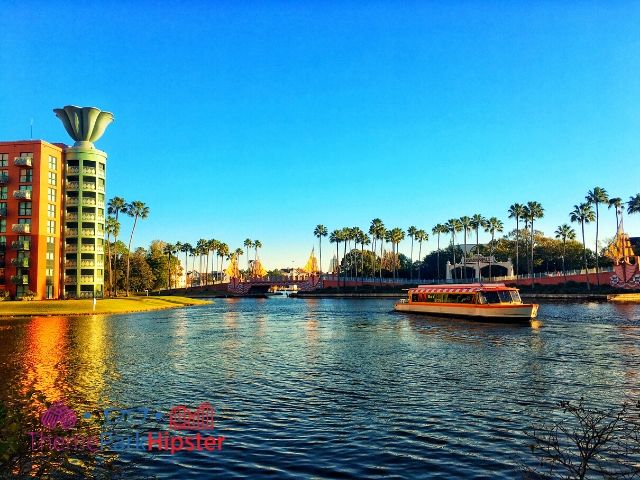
459, 288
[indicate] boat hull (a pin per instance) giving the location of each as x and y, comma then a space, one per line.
480, 312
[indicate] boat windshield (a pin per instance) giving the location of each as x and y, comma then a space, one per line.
500, 296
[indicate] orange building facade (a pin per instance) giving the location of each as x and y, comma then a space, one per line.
31, 218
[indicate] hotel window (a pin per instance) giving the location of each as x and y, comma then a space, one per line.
51, 195
25, 187
3, 240
25, 175
51, 210
49, 290
3, 193
53, 163
51, 241
53, 178
4, 159
3, 208
24, 208
26, 154
3, 225
49, 257
24, 221
51, 226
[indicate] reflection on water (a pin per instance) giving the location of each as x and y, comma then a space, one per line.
332, 388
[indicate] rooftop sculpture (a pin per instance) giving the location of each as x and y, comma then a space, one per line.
84, 124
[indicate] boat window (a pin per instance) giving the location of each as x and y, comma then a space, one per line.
466, 298
515, 296
414, 297
431, 298
505, 296
492, 297
440, 298
481, 298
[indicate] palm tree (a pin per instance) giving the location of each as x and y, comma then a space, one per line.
357, 234
597, 196
115, 206
248, 244
583, 213
564, 232
137, 210
492, 226
257, 244
178, 248
320, 231
633, 205
438, 230
201, 248
421, 236
465, 222
453, 226
112, 229
396, 235
411, 232
517, 211
364, 240
533, 211
223, 251
477, 222
376, 223
616, 202
186, 249
336, 237
169, 249
210, 246
239, 252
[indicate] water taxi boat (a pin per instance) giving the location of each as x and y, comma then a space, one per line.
493, 302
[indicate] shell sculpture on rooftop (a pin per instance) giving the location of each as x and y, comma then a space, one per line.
84, 124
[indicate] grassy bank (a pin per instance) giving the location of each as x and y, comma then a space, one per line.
103, 306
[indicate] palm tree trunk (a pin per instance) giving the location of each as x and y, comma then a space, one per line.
135, 220
491, 259
419, 257
597, 262
532, 273
438, 257
109, 260
320, 266
478, 251
564, 254
464, 256
517, 238
381, 256
453, 252
586, 268
411, 268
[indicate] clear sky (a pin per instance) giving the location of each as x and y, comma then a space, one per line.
262, 119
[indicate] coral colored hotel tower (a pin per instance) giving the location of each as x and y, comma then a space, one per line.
52, 211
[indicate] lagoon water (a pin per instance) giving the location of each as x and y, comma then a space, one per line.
331, 388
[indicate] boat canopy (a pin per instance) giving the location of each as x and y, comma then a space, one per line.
462, 288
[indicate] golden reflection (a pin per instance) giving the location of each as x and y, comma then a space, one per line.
311, 325
46, 354
91, 364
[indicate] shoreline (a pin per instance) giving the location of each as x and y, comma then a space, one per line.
106, 306
542, 296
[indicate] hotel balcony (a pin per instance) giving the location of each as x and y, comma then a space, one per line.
73, 185
23, 162
22, 194
70, 280
20, 245
88, 217
86, 279
85, 170
71, 232
21, 228
88, 186
87, 263
88, 248
4, 179
88, 232
20, 262
73, 201
71, 217
70, 264
89, 202
20, 279
71, 248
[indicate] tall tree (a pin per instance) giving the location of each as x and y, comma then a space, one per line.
376, 223
411, 233
533, 211
248, 244
438, 230
186, 248
336, 237
517, 211
257, 244
421, 236
465, 223
453, 226
115, 206
616, 203
633, 205
564, 232
112, 229
396, 235
168, 250
239, 252
137, 210
478, 222
202, 247
583, 213
492, 226
320, 231
597, 196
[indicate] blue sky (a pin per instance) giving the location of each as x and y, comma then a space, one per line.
263, 119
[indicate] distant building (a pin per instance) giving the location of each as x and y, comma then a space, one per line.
333, 265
